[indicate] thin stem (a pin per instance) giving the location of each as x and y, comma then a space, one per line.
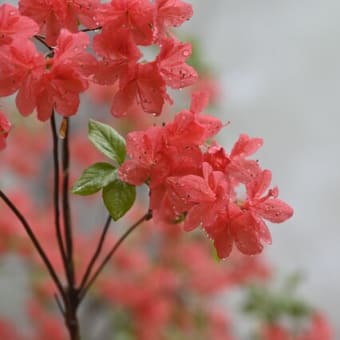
72, 293
96, 254
146, 217
91, 29
35, 242
41, 39
56, 192
66, 204
59, 304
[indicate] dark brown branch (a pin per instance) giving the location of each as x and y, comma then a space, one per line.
35, 242
56, 192
146, 217
66, 204
96, 254
59, 304
72, 293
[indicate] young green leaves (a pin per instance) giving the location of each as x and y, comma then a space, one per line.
118, 196
108, 141
94, 178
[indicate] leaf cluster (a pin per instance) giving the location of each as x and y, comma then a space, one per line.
117, 195
271, 306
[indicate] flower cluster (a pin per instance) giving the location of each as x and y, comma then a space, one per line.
125, 26
197, 183
54, 80
44, 83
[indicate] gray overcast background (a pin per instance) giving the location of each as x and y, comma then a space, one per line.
278, 64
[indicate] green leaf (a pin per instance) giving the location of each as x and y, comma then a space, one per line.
118, 198
94, 178
108, 141
297, 309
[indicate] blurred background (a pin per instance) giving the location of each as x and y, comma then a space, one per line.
278, 65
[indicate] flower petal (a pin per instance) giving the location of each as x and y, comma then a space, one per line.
274, 210
245, 232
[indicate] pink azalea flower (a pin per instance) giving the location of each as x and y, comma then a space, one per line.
147, 159
243, 222
145, 87
47, 84
212, 125
170, 13
136, 16
14, 26
53, 16
202, 198
119, 56
65, 77
171, 64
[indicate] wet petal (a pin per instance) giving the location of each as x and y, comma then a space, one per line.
274, 210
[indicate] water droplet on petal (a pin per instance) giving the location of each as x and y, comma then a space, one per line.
186, 53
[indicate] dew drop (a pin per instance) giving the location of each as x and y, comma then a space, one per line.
186, 53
